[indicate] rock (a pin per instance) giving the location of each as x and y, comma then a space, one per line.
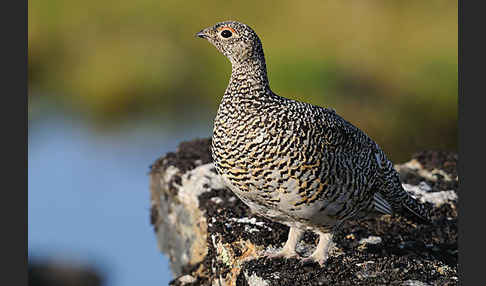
62, 272
211, 237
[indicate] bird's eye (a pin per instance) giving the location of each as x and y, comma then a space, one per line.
226, 34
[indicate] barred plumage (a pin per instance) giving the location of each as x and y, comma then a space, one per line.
294, 162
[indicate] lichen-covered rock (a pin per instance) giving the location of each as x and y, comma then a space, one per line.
212, 238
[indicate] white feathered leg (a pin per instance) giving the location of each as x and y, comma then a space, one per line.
321, 252
288, 250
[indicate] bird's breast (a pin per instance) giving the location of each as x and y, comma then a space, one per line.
258, 154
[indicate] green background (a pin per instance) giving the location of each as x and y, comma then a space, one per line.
389, 67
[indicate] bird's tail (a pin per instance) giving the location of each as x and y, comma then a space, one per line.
392, 191
416, 208
401, 200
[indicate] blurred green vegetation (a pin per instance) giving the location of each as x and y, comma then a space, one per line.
389, 67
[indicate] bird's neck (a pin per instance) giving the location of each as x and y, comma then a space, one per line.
248, 80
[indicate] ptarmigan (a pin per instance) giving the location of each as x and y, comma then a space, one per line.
296, 163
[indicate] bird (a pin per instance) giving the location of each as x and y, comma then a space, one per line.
296, 163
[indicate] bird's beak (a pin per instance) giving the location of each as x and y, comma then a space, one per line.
202, 34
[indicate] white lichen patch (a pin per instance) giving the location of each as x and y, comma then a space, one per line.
251, 230
248, 220
216, 200
170, 172
433, 175
255, 280
370, 240
251, 221
423, 194
193, 183
186, 279
183, 225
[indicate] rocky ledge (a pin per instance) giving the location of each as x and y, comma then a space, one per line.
211, 237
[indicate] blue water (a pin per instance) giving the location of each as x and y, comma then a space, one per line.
88, 197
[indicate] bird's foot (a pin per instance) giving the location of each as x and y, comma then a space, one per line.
288, 250
321, 252
284, 253
321, 259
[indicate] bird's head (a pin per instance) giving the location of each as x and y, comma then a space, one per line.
237, 41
